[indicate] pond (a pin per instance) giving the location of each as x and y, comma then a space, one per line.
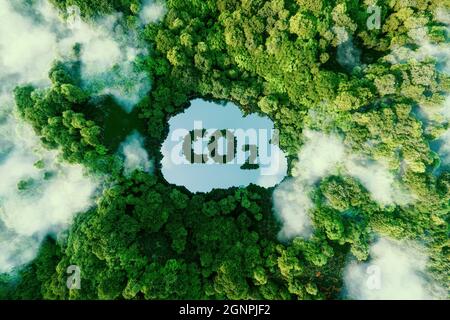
214, 146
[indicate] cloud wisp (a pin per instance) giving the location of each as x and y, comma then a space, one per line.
39, 195
396, 270
317, 158
152, 11
31, 39
134, 154
321, 156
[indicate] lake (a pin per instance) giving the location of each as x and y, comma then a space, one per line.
214, 146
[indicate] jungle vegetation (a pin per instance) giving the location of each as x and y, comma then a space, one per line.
147, 239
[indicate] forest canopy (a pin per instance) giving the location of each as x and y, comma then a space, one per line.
362, 111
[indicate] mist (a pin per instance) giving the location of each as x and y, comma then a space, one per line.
317, 158
152, 11
38, 194
435, 114
348, 56
134, 154
109, 55
396, 270
379, 181
426, 48
442, 116
323, 155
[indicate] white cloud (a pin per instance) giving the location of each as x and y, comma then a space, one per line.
440, 52
441, 115
291, 203
444, 147
152, 11
377, 179
29, 45
135, 155
426, 48
26, 48
48, 199
317, 158
16, 250
445, 109
443, 15
438, 115
321, 156
30, 40
108, 61
397, 270
348, 56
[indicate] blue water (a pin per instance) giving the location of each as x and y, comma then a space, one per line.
271, 163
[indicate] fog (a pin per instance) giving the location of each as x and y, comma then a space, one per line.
426, 48
396, 270
317, 158
38, 194
323, 155
152, 11
31, 41
134, 154
348, 55
379, 181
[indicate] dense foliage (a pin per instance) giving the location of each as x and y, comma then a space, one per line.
147, 239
